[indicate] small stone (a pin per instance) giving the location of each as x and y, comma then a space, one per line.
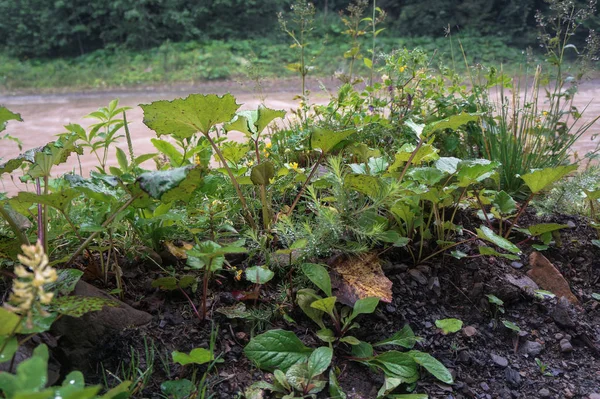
418, 276
513, 378
517, 265
484, 386
499, 360
434, 285
565, 346
559, 336
594, 396
568, 393
390, 308
424, 269
469, 331
561, 315
532, 348
427, 324
544, 393
464, 357
571, 224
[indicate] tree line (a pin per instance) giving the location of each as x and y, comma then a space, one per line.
42, 28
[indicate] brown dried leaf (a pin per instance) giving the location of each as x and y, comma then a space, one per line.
360, 277
178, 252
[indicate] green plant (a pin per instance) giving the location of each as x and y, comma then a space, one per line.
543, 368
303, 378
449, 325
315, 307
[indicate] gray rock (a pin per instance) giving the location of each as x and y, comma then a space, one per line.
499, 360
517, 265
544, 393
484, 386
418, 276
526, 284
594, 396
513, 378
565, 346
434, 285
80, 337
562, 316
532, 348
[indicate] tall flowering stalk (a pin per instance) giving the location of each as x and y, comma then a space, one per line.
28, 292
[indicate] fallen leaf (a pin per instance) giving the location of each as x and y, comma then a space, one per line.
178, 252
360, 277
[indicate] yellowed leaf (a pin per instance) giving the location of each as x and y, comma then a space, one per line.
178, 252
360, 277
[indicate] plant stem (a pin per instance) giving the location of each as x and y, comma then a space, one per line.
191, 303
106, 223
483, 210
235, 183
312, 172
447, 248
514, 222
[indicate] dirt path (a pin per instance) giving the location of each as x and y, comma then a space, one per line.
45, 115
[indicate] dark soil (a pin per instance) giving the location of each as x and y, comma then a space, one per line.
488, 360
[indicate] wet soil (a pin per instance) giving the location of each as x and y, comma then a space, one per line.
556, 354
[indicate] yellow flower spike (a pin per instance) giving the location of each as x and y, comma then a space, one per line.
294, 165
268, 145
197, 159
402, 68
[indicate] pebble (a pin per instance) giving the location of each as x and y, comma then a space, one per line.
484, 386
513, 378
517, 265
532, 348
469, 331
594, 396
434, 285
571, 224
544, 393
565, 346
464, 357
499, 360
559, 336
418, 276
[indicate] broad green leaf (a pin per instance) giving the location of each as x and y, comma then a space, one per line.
10, 346
335, 390
326, 334
59, 200
449, 326
276, 349
327, 139
397, 364
452, 123
262, 174
542, 228
174, 156
196, 356
425, 153
7, 115
159, 182
252, 122
427, 176
475, 171
489, 251
364, 306
66, 281
9, 322
493, 299
298, 376
485, 233
363, 350
318, 275
234, 152
182, 118
178, 389
408, 396
505, 203
368, 62
325, 305
368, 185
77, 306
305, 297
319, 361
259, 274
389, 384
165, 283
447, 164
431, 364
511, 326
31, 376
350, 340
540, 179
97, 188
237, 311
122, 159
404, 338
38, 323
121, 391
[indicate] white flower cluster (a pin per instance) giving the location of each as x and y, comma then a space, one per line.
28, 287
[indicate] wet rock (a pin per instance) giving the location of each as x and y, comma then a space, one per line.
80, 337
565, 346
513, 378
469, 331
562, 315
544, 393
418, 276
499, 360
516, 265
532, 348
549, 278
434, 285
